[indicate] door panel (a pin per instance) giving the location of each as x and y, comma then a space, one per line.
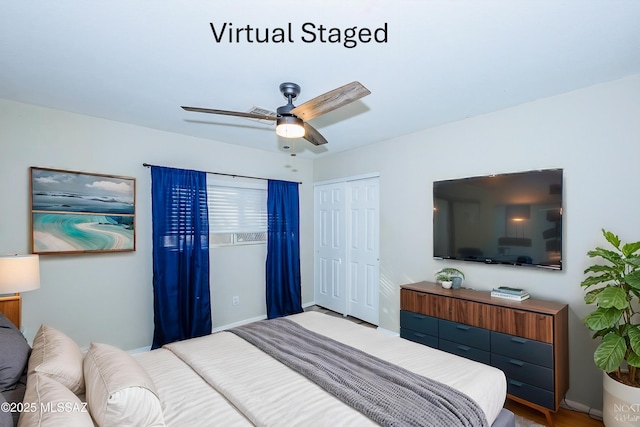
363, 249
330, 271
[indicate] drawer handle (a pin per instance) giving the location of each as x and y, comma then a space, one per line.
419, 335
418, 316
519, 340
515, 383
463, 327
464, 348
516, 362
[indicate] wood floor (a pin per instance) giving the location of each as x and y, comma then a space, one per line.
563, 418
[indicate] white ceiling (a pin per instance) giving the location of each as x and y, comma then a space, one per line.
137, 61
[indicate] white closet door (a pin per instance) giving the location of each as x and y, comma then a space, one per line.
347, 248
330, 263
363, 250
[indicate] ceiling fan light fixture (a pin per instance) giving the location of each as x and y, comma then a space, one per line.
290, 127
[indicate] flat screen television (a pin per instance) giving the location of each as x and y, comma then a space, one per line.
511, 218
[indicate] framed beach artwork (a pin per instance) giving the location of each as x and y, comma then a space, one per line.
79, 212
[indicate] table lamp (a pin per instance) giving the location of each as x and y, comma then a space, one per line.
18, 273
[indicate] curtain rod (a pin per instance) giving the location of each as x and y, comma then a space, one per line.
148, 165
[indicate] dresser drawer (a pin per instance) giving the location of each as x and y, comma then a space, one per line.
464, 334
419, 337
419, 322
527, 340
530, 393
529, 373
465, 351
537, 352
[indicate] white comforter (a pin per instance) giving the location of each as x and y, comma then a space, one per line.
248, 384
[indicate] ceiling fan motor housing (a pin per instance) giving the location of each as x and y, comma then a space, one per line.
290, 89
291, 92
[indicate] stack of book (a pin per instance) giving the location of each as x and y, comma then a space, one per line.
513, 294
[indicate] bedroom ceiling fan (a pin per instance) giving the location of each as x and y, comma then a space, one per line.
291, 121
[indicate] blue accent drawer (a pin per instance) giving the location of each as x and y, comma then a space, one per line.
466, 351
530, 393
520, 370
419, 337
419, 322
537, 352
465, 334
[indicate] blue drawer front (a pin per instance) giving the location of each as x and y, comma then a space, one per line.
419, 337
465, 334
419, 322
465, 351
530, 393
536, 352
520, 370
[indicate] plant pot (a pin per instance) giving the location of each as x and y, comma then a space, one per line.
446, 284
620, 403
457, 282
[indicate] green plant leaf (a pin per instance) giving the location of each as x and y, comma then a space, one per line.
610, 352
633, 279
591, 296
630, 248
602, 318
451, 272
633, 261
595, 280
603, 332
611, 256
634, 338
598, 268
611, 238
633, 359
612, 296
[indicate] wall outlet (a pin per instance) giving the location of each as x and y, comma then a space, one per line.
235, 300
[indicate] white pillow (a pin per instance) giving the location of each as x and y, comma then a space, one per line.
48, 403
119, 391
57, 356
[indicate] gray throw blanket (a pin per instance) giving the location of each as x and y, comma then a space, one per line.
384, 392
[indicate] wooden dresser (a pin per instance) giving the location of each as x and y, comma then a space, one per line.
527, 340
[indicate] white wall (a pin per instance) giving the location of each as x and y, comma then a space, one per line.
109, 297
592, 133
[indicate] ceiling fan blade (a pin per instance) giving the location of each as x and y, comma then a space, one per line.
313, 136
330, 101
229, 113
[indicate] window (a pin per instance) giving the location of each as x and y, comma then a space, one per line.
237, 212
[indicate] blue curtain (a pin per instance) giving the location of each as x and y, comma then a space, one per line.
181, 296
284, 295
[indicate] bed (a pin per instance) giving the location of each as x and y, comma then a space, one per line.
222, 379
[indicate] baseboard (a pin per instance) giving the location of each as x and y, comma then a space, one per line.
240, 323
387, 331
139, 350
580, 407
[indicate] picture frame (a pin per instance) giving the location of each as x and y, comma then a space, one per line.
79, 212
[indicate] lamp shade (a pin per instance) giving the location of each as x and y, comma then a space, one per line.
290, 127
19, 273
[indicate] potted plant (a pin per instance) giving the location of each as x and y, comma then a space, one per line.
613, 284
449, 276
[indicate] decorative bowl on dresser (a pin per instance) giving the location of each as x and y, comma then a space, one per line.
527, 340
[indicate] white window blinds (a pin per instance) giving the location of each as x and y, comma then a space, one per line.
237, 212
